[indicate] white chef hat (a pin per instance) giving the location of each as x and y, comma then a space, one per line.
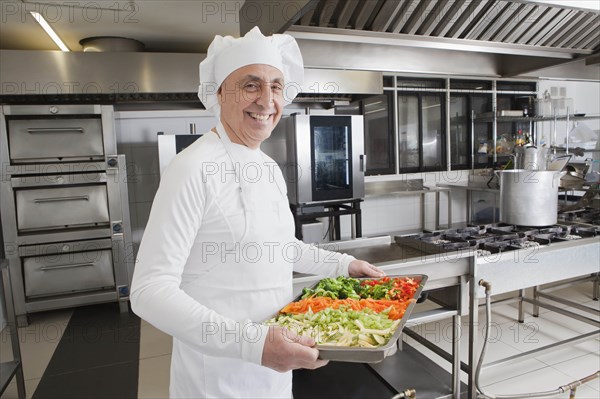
226, 54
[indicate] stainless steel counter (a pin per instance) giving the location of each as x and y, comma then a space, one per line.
443, 271
507, 271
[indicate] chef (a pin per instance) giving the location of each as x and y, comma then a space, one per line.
219, 249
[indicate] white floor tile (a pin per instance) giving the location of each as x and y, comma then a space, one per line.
535, 334
153, 379
582, 367
584, 392
572, 323
545, 379
568, 352
580, 293
503, 372
154, 342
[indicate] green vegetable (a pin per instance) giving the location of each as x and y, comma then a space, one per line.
336, 288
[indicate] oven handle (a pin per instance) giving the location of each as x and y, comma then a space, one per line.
50, 268
363, 162
57, 199
34, 130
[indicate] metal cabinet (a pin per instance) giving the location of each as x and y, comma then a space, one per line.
65, 215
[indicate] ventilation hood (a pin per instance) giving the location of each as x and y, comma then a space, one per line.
42, 76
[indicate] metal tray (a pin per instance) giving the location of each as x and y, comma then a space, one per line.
371, 355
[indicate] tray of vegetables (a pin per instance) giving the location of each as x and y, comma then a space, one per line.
353, 319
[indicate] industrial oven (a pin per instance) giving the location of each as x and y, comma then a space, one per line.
65, 215
321, 156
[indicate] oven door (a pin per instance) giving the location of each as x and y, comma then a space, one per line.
61, 202
67, 267
337, 167
55, 140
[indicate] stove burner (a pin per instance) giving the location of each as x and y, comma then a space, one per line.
499, 237
585, 215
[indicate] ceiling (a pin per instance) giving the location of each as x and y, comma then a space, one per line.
523, 35
182, 26
188, 26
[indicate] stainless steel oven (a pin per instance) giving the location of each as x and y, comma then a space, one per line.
65, 214
321, 156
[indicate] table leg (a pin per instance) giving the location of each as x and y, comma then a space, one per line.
456, 326
437, 210
521, 309
536, 298
422, 211
449, 209
469, 206
473, 323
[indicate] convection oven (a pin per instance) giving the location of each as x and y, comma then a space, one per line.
321, 156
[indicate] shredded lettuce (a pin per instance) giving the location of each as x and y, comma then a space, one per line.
341, 327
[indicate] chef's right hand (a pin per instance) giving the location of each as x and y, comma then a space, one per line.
285, 350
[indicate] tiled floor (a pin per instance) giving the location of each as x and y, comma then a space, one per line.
544, 372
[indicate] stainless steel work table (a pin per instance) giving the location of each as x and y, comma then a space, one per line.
442, 271
533, 267
507, 272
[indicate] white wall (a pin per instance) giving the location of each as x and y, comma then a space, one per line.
137, 138
586, 100
397, 213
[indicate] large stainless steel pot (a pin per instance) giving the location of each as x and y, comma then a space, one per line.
531, 158
529, 197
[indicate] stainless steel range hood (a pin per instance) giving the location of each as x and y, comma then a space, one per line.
131, 76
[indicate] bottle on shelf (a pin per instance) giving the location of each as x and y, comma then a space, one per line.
483, 147
520, 139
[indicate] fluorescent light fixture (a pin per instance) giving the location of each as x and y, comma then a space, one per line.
40, 20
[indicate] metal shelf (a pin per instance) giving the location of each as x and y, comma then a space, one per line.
499, 119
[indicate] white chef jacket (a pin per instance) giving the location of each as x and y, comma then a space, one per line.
216, 259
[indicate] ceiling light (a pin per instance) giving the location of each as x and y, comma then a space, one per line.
40, 20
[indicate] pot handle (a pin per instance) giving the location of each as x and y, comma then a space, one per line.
557, 176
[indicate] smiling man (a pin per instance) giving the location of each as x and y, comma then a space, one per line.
219, 250
251, 101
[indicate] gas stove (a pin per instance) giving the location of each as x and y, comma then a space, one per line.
586, 215
497, 237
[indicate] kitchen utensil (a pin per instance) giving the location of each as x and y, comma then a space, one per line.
531, 158
529, 197
559, 163
573, 171
573, 178
585, 201
377, 354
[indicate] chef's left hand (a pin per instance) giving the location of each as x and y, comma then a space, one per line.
360, 268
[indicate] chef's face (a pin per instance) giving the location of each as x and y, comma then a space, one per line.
251, 100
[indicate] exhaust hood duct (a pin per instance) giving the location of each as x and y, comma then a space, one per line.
111, 43
109, 77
